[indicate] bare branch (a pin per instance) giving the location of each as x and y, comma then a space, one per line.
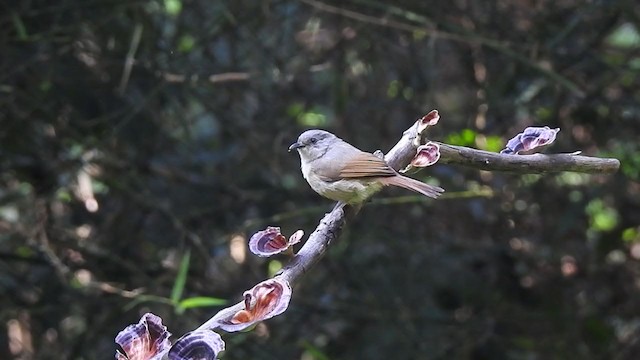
130, 59
328, 231
214, 78
536, 163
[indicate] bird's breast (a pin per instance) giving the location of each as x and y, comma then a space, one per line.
349, 191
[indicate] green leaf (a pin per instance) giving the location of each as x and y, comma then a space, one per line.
99, 187
45, 85
524, 342
18, 25
181, 278
314, 352
466, 137
63, 195
394, 88
274, 267
494, 143
186, 43
201, 301
173, 7
630, 235
295, 109
603, 217
312, 119
25, 252
625, 36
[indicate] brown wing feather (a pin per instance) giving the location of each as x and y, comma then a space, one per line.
366, 165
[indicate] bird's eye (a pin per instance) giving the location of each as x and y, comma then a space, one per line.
313, 140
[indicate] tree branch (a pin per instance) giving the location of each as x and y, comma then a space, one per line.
332, 224
536, 163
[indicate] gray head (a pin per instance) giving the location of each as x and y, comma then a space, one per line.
314, 143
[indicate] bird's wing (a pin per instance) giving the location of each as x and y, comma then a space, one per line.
365, 165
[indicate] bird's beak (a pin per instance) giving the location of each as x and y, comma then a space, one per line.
296, 145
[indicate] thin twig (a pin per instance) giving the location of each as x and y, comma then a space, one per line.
41, 239
130, 58
391, 200
214, 78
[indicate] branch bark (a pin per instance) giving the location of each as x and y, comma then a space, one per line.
536, 163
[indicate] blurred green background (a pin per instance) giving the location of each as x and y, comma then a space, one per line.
134, 133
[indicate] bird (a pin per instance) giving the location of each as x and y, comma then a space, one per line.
341, 172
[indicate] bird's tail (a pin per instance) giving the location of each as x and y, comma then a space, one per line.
413, 185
